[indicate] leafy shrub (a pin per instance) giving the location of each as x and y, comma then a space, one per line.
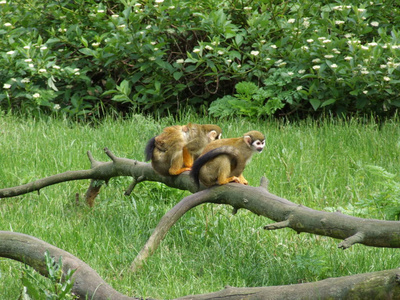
385, 202
57, 287
83, 59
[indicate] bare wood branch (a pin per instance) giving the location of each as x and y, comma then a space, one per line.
166, 222
89, 285
258, 200
30, 250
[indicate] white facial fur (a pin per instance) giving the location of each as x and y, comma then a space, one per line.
258, 145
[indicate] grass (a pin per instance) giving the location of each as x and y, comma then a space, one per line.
317, 164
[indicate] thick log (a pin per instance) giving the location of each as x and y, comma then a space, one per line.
89, 285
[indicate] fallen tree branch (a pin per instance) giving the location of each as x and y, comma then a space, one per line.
369, 232
30, 250
89, 285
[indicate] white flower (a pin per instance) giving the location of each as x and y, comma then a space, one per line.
329, 56
321, 38
36, 95
316, 67
152, 58
365, 92
7, 24
10, 52
326, 41
220, 52
247, 8
291, 21
27, 47
197, 50
383, 66
348, 58
31, 65
375, 24
96, 44
208, 47
159, 1
310, 40
25, 80
299, 88
254, 52
56, 106
364, 47
373, 44
43, 48
180, 61
386, 78
114, 16
290, 73
333, 66
361, 9
6, 86
274, 46
301, 71
28, 60
56, 67
42, 71
100, 11
365, 72
316, 60
305, 48
121, 26
3, 2
339, 22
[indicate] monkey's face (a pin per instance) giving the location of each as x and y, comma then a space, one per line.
258, 145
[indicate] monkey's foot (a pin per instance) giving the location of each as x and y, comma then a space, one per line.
222, 181
179, 171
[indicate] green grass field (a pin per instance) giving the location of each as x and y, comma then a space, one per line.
322, 165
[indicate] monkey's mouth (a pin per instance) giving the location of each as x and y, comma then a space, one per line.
259, 150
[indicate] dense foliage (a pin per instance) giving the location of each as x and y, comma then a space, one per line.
86, 57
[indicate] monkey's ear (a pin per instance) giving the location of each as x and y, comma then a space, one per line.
248, 140
212, 135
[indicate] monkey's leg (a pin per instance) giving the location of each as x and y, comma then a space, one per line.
187, 158
225, 171
177, 164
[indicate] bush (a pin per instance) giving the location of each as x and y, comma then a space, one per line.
308, 56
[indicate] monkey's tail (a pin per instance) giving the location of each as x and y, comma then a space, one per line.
202, 160
148, 151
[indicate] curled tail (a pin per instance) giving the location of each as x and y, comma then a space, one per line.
148, 151
202, 160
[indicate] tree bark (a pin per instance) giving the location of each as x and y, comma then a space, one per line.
89, 285
258, 200
351, 230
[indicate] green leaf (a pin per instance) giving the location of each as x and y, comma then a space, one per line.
315, 103
328, 102
87, 51
177, 75
239, 39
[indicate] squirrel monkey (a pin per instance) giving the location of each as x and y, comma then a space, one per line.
224, 160
175, 149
